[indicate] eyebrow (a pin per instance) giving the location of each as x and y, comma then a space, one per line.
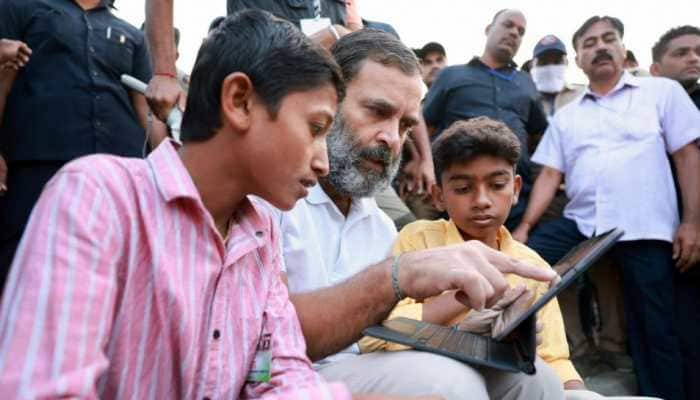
388, 108
467, 177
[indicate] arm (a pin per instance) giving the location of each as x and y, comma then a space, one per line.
421, 168
163, 92
63, 276
155, 130
686, 244
7, 79
473, 269
543, 191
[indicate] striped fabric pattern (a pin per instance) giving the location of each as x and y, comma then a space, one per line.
122, 288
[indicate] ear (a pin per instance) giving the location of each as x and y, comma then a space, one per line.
517, 185
236, 101
655, 69
488, 28
438, 196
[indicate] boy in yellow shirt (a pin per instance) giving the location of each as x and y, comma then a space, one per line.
477, 186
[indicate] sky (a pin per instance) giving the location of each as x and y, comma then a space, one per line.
459, 24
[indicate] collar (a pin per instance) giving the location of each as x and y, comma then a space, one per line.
453, 236
626, 80
694, 88
359, 206
476, 62
172, 178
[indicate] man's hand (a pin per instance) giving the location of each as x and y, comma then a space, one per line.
686, 246
493, 320
418, 177
3, 176
521, 233
325, 37
472, 268
14, 54
163, 94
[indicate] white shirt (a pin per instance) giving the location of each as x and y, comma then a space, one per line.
322, 247
613, 151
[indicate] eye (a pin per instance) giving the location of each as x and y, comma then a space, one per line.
462, 189
499, 185
317, 128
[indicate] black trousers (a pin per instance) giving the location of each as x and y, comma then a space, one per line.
648, 292
25, 181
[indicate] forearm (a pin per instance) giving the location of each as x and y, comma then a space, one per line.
687, 162
160, 35
422, 141
155, 130
543, 191
7, 78
333, 318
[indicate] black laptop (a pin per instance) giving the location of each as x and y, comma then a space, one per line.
514, 348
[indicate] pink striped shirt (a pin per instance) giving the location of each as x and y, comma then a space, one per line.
123, 288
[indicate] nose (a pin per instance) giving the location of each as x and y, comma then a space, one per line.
482, 200
390, 136
319, 161
694, 57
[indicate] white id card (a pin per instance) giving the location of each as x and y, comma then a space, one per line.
312, 25
260, 370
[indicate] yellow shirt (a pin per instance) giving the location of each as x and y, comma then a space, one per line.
429, 234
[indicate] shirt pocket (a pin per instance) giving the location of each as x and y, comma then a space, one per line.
117, 50
48, 30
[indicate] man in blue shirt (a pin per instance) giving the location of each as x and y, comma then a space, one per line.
67, 101
492, 86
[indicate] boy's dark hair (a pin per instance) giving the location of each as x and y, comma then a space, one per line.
465, 140
615, 22
352, 50
661, 47
277, 57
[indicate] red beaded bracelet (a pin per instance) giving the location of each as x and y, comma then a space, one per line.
168, 74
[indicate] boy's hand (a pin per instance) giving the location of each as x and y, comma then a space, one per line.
14, 54
521, 233
493, 320
472, 268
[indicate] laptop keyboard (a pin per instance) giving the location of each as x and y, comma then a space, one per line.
452, 340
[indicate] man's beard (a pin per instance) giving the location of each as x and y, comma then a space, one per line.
347, 174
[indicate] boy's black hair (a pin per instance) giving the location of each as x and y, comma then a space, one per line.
277, 57
661, 47
465, 140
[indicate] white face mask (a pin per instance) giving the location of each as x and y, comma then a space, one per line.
549, 78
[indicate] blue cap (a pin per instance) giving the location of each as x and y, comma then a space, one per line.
549, 43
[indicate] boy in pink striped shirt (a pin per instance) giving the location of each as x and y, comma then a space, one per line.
159, 278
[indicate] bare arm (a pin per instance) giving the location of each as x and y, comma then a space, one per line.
163, 91
363, 300
473, 269
7, 79
543, 191
686, 244
156, 130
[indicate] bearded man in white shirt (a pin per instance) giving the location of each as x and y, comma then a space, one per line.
335, 238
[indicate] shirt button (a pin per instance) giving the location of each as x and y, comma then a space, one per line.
97, 97
94, 73
206, 398
259, 233
98, 123
92, 49
217, 334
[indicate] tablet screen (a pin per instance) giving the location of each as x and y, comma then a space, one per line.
569, 267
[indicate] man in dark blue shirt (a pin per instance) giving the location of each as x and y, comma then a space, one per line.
67, 101
491, 86
294, 10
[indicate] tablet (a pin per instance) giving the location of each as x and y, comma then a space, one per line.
570, 267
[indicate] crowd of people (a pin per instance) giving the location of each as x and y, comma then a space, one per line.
327, 178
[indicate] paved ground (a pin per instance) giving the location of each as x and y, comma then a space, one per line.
606, 373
